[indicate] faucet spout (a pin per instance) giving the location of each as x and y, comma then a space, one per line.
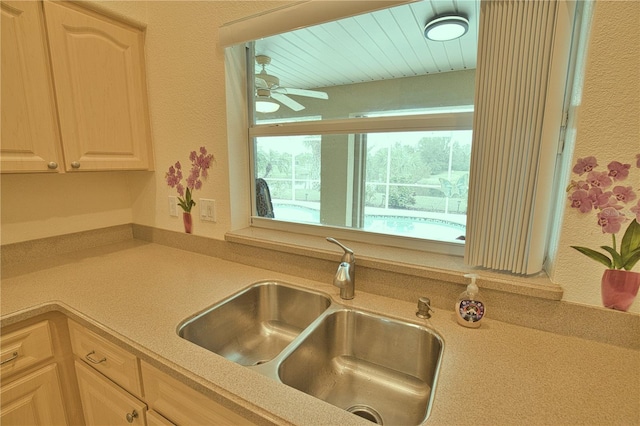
345, 278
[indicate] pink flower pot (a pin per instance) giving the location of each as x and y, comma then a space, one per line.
188, 222
619, 288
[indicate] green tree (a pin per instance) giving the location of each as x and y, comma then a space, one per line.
406, 165
401, 197
434, 153
272, 161
311, 161
461, 160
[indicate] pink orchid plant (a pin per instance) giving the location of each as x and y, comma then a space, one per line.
200, 163
603, 193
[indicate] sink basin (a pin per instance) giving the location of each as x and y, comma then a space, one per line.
256, 324
380, 369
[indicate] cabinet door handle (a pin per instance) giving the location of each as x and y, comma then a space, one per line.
11, 358
52, 165
93, 360
75, 164
131, 416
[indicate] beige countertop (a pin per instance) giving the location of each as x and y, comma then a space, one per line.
139, 292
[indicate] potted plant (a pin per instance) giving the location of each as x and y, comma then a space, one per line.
200, 163
600, 192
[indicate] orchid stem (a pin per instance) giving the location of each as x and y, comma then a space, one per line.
613, 236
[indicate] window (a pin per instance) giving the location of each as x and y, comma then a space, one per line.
415, 183
342, 105
364, 124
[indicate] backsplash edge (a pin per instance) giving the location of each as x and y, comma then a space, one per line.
560, 317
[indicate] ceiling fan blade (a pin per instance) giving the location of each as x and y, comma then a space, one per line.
284, 99
303, 92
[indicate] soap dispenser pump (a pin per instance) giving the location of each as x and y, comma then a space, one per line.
469, 308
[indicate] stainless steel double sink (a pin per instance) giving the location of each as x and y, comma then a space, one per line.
382, 369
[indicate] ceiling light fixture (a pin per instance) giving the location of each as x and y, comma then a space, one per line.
267, 105
446, 28
264, 103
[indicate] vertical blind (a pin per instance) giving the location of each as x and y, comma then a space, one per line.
517, 119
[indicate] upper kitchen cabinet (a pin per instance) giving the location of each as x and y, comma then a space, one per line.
30, 137
99, 80
74, 95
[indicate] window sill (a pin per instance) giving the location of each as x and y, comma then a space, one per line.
398, 260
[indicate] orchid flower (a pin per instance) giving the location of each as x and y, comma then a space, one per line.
592, 194
200, 163
618, 171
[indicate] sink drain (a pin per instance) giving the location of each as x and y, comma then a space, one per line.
261, 362
366, 412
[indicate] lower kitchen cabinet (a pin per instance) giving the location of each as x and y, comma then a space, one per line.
108, 378
183, 405
34, 368
34, 399
112, 361
55, 371
105, 403
156, 419
111, 380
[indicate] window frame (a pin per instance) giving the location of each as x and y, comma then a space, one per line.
435, 121
248, 207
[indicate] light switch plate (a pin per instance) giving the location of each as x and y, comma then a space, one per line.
207, 210
173, 206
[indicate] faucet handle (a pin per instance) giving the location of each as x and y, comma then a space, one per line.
348, 255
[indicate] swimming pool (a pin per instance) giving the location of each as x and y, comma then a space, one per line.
410, 226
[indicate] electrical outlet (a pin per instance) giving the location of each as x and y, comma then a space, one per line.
173, 206
207, 210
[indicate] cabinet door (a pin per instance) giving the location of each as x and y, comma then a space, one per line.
183, 405
105, 403
99, 76
155, 419
30, 139
34, 399
109, 359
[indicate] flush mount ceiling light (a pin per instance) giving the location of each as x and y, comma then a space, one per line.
446, 28
264, 103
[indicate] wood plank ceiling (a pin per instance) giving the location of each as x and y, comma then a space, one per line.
386, 44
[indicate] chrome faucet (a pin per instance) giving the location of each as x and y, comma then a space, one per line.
345, 277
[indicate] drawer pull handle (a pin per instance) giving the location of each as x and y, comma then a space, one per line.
11, 358
92, 360
132, 416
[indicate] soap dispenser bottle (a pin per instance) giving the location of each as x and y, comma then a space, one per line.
469, 308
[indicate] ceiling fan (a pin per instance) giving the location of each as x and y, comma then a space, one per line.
268, 88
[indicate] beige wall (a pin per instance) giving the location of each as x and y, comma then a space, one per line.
607, 127
37, 206
187, 100
185, 78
